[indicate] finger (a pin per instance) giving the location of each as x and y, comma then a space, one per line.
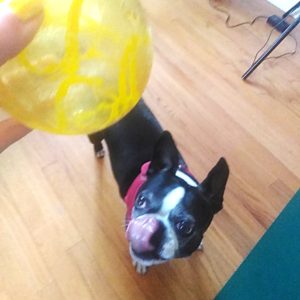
15, 32
10, 132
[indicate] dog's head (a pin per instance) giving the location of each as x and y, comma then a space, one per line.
172, 210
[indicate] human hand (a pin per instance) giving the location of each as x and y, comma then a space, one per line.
19, 21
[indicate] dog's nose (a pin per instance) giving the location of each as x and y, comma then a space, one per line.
140, 232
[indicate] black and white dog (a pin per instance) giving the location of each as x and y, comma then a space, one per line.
168, 211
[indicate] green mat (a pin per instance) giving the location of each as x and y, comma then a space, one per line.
272, 269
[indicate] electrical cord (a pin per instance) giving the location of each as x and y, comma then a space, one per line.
228, 16
268, 39
231, 26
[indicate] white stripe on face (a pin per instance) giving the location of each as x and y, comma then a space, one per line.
186, 178
171, 200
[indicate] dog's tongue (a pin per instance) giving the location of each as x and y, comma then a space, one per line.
140, 231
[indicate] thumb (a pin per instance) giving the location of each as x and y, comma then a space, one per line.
18, 25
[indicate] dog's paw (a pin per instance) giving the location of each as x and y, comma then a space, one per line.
100, 153
141, 269
200, 248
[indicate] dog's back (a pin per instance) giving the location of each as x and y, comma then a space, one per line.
130, 143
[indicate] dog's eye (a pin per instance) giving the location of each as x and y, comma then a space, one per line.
141, 202
185, 227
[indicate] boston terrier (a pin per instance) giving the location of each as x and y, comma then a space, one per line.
168, 210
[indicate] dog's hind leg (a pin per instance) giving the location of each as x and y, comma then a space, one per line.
96, 139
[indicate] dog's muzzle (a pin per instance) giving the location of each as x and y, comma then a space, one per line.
140, 232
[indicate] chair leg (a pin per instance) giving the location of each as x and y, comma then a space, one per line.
271, 48
290, 11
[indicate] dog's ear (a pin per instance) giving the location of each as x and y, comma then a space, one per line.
165, 156
214, 185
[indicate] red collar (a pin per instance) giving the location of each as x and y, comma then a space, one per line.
134, 189
137, 184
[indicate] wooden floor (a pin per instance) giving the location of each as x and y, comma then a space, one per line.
61, 219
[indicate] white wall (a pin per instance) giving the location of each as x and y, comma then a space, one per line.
285, 5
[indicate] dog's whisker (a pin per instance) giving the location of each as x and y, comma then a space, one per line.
125, 225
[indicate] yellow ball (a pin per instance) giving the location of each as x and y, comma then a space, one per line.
85, 69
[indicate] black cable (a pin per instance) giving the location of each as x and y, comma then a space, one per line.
228, 16
269, 37
228, 25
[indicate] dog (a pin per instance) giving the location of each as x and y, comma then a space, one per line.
168, 210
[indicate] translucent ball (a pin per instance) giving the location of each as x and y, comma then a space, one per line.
85, 69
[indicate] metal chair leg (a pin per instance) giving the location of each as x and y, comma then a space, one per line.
271, 48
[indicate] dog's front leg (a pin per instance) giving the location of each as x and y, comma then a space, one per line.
200, 248
140, 268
